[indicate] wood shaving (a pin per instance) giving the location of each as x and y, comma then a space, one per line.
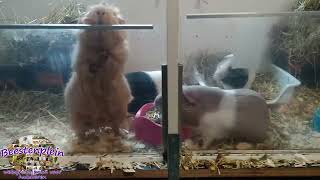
266, 85
127, 167
154, 115
33, 112
188, 162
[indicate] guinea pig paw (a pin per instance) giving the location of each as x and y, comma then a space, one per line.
89, 21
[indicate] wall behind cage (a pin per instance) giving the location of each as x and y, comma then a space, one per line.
148, 48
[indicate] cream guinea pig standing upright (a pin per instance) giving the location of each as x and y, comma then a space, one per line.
97, 94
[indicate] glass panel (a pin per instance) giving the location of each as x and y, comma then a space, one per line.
263, 78
63, 83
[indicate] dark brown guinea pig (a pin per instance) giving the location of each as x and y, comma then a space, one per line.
216, 114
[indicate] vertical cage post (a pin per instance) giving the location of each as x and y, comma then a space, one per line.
180, 94
164, 113
165, 105
173, 41
172, 141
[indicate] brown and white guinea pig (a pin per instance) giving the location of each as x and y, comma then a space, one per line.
97, 94
217, 114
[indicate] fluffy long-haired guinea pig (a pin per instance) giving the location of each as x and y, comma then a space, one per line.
217, 114
98, 94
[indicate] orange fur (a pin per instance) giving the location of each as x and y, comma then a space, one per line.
100, 98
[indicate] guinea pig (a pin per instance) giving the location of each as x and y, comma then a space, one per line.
97, 94
228, 77
144, 86
103, 14
217, 114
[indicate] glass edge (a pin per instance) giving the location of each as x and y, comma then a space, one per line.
252, 14
78, 26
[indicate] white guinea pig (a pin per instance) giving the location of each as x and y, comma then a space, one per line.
228, 76
217, 114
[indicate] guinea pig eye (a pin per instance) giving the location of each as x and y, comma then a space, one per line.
187, 103
103, 13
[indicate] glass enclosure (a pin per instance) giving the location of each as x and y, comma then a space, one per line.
65, 83
250, 83
36, 66
267, 70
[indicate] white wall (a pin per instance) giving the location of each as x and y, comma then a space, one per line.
148, 48
245, 37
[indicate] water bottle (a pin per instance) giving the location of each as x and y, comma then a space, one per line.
316, 120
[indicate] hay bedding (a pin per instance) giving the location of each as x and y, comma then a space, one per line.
266, 85
24, 113
294, 43
43, 113
294, 121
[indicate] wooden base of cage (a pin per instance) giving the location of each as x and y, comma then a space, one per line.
161, 172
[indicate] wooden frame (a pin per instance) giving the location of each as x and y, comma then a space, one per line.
200, 173
163, 173
283, 172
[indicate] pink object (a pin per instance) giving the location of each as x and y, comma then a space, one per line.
150, 132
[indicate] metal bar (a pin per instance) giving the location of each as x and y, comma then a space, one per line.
77, 26
173, 156
180, 93
164, 112
253, 14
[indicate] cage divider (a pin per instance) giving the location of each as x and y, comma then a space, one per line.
164, 112
173, 56
171, 142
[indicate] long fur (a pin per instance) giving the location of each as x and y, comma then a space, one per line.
97, 94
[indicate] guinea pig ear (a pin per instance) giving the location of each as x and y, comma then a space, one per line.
158, 101
121, 20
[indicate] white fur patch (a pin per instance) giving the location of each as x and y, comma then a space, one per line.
222, 69
215, 125
221, 72
251, 78
156, 76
